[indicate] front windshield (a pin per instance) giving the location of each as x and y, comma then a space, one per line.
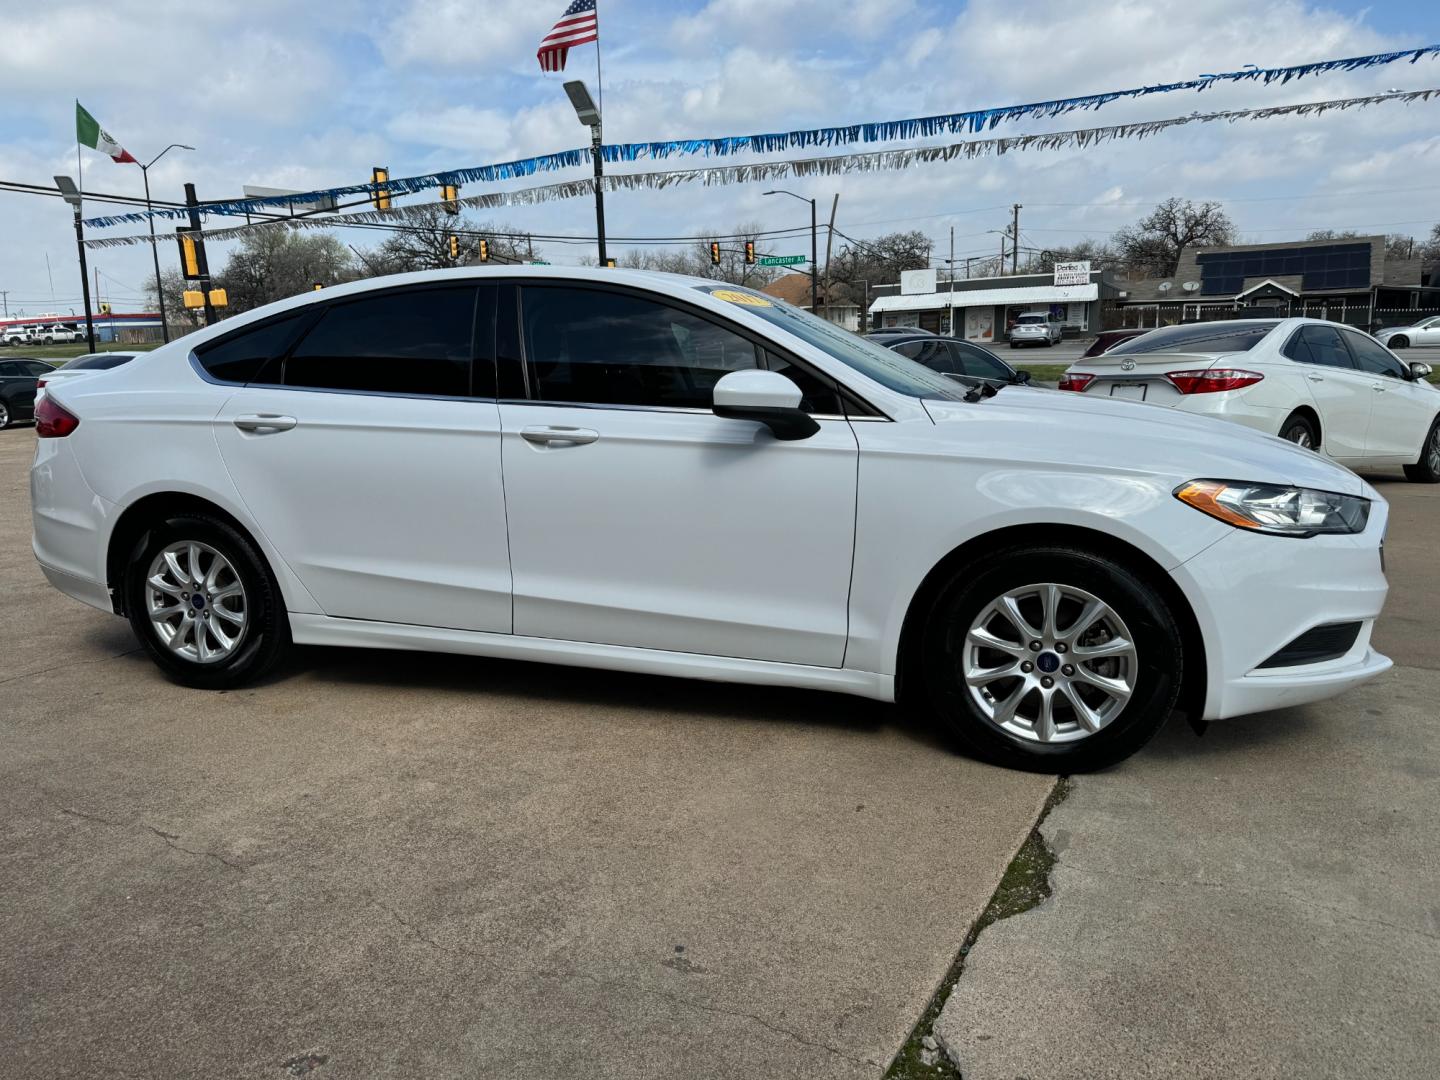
889, 369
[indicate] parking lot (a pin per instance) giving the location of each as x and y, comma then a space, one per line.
389, 864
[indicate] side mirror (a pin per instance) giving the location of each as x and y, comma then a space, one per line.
1419, 371
766, 397
1022, 378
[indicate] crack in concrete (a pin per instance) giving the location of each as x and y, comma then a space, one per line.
1240, 886
76, 664
169, 838
598, 980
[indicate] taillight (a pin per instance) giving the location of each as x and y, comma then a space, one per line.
1076, 380
39, 384
53, 422
1212, 381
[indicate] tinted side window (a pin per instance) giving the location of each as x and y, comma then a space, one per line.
1372, 357
606, 348
819, 394
9, 367
1320, 345
416, 341
241, 357
935, 355
36, 367
981, 364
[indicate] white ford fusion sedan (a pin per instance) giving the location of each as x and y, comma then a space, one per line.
617, 469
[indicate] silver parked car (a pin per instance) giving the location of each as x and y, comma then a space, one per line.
1034, 328
1424, 332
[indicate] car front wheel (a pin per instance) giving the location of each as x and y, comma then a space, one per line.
1427, 469
1400, 341
1052, 659
204, 604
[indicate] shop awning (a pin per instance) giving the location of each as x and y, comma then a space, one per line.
1034, 294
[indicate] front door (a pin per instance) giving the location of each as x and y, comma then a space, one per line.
638, 517
372, 459
1402, 410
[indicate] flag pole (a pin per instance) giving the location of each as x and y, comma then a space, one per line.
599, 83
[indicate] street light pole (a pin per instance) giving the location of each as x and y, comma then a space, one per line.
71, 195
155, 251
814, 248
588, 114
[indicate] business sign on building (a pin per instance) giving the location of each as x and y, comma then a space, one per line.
915, 282
1072, 273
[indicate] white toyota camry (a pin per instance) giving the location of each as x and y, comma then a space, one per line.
616, 469
1322, 385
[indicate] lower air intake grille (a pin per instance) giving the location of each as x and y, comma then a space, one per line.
1315, 646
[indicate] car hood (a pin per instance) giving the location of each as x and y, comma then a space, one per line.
1102, 433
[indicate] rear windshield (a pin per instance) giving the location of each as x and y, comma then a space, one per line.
1031, 319
889, 369
1216, 337
97, 363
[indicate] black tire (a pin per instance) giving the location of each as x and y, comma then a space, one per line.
1399, 341
6, 416
1152, 626
266, 636
1300, 430
1426, 470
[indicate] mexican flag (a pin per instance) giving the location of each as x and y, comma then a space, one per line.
88, 132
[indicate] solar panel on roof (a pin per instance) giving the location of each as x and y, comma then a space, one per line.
1326, 266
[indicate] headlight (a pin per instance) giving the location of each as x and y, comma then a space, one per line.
1275, 509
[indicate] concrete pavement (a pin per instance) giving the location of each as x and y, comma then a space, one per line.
389, 864
1257, 903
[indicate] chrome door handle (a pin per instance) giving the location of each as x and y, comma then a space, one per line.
264, 423
564, 436
1316, 378
1378, 388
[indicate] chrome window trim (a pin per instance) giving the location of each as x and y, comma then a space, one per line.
659, 408
199, 369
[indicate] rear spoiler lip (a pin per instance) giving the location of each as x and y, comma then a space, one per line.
1147, 363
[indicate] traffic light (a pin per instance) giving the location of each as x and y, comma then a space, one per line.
380, 174
454, 247
218, 298
714, 253
484, 250
610, 262
450, 198
750, 252
192, 264
318, 286
194, 298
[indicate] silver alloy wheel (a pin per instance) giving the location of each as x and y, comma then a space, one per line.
1050, 663
1432, 452
1300, 436
4, 416
196, 602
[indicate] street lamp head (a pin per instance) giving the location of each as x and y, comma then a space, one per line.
68, 190
585, 107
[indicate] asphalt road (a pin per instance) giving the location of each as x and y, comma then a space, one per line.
409, 865
1257, 903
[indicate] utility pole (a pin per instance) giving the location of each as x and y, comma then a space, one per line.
71, 194
5, 301
1015, 240
951, 261
829, 242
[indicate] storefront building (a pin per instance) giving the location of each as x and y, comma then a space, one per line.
983, 309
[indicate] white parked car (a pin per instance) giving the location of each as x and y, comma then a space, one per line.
1323, 385
1425, 332
618, 469
1034, 328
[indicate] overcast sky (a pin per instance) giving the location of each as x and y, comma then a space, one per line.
290, 95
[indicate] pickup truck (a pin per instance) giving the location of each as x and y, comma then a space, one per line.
58, 334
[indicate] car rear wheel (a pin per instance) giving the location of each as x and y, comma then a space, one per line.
1053, 659
1299, 430
4, 416
204, 604
1399, 341
1427, 469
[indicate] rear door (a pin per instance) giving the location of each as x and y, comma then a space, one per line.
369, 453
1401, 410
1340, 392
17, 386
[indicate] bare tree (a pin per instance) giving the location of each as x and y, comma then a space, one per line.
878, 262
1151, 247
1397, 246
421, 241
694, 258
277, 261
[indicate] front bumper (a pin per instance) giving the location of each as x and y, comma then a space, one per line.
1253, 594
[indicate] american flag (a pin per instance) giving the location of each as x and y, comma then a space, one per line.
579, 24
